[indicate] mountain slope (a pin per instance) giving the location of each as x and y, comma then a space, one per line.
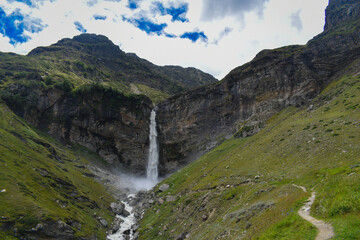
192, 123
243, 189
47, 191
95, 58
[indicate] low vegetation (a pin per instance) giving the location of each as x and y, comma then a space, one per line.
244, 189
42, 183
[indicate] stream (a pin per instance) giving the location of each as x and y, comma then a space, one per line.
126, 230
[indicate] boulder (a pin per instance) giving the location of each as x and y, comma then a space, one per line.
117, 208
116, 225
103, 222
125, 213
164, 187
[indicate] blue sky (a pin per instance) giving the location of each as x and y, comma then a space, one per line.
212, 35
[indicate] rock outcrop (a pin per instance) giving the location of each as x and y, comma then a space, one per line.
339, 13
101, 119
191, 124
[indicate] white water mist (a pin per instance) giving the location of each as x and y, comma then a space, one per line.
153, 160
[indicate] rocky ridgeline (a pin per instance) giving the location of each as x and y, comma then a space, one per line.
191, 124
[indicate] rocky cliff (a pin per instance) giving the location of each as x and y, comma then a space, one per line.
340, 13
191, 124
102, 119
87, 91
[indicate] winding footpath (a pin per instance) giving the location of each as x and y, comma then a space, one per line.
326, 231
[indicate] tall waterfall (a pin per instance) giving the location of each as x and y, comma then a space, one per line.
153, 160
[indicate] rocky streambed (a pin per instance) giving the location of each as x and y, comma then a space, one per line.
129, 212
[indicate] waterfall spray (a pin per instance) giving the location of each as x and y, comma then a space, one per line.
153, 160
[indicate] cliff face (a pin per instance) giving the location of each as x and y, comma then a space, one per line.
105, 121
191, 124
80, 91
341, 12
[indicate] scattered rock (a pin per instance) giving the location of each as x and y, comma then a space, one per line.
161, 201
137, 215
125, 213
90, 175
103, 222
151, 201
204, 217
76, 225
354, 166
116, 225
135, 227
170, 198
164, 187
62, 204
136, 235
61, 224
80, 166
38, 227
127, 232
257, 177
4, 190
247, 212
117, 208
182, 236
43, 172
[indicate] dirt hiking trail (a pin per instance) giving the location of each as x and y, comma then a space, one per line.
326, 231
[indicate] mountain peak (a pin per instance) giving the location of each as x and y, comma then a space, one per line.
93, 44
89, 38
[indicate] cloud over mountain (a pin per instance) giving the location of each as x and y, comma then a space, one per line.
214, 9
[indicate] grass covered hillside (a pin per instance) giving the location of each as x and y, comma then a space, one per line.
244, 189
46, 190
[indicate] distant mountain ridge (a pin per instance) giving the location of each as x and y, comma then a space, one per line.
92, 49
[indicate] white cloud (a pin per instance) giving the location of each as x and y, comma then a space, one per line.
230, 42
296, 21
215, 9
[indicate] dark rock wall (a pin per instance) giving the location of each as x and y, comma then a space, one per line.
105, 121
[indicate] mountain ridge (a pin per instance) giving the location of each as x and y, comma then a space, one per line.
98, 50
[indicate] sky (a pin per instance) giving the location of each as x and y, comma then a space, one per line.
213, 35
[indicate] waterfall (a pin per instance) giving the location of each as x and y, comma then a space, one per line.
153, 159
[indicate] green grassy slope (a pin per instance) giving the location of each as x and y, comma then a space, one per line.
243, 188
44, 182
